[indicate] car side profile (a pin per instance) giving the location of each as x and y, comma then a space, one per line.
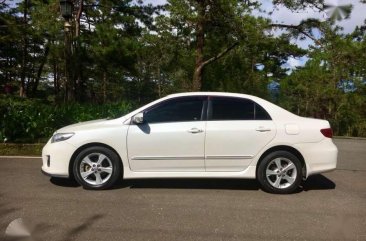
195, 135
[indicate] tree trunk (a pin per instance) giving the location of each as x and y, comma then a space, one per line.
69, 77
199, 67
197, 78
56, 84
7, 72
22, 92
200, 42
104, 86
78, 70
77, 18
159, 81
40, 68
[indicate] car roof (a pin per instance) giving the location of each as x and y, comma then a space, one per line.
212, 94
275, 111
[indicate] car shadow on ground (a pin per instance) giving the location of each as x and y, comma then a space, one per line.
224, 184
64, 182
316, 182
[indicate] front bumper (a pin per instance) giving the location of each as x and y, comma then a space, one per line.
319, 157
56, 158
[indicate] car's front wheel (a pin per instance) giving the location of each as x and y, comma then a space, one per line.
97, 168
280, 172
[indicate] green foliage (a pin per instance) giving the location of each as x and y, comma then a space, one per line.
125, 51
24, 120
12, 149
331, 85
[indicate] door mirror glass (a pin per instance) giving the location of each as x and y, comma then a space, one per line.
138, 118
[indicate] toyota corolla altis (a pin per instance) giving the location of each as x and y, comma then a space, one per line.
195, 135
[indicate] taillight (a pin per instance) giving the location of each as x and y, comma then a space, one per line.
327, 132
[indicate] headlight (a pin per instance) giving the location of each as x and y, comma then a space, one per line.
61, 137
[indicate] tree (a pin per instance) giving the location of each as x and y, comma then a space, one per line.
331, 84
199, 18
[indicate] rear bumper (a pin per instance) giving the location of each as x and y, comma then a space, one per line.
53, 175
319, 157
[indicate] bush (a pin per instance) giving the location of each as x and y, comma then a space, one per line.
29, 120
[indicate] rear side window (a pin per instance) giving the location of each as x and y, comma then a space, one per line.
227, 108
261, 113
176, 110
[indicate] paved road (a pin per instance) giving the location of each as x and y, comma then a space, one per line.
331, 206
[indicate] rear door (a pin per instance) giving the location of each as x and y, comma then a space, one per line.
236, 130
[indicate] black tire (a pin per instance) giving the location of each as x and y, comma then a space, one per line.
111, 158
268, 162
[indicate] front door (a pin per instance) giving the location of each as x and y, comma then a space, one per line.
171, 138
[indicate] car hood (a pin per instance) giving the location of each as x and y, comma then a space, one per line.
82, 126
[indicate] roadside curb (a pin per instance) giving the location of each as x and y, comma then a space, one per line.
21, 149
350, 138
21, 157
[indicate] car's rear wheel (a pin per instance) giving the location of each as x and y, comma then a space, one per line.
280, 172
97, 168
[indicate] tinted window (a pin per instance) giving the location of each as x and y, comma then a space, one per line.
226, 108
232, 109
261, 114
176, 110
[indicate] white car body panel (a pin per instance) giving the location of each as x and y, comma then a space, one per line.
175, 148
232, 146
208, 154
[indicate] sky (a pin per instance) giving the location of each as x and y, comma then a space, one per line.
285, 16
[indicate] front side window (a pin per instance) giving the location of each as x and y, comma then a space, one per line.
230, 108
176, 110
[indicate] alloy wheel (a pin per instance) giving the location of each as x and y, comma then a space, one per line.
96, 168
281, 173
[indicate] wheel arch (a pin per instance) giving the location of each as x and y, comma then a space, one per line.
289, 149
83, 147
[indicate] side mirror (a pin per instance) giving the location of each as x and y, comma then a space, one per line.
138, 118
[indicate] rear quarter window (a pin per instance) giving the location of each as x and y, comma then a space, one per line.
231, 108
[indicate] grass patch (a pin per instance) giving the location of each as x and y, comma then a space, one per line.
10, 149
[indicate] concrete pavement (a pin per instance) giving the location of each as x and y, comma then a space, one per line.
331, 206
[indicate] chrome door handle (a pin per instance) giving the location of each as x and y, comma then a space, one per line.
195, 130
263, 129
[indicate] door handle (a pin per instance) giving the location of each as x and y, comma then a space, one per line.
195, 130
263, 129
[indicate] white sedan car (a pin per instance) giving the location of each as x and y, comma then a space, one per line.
195, 135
